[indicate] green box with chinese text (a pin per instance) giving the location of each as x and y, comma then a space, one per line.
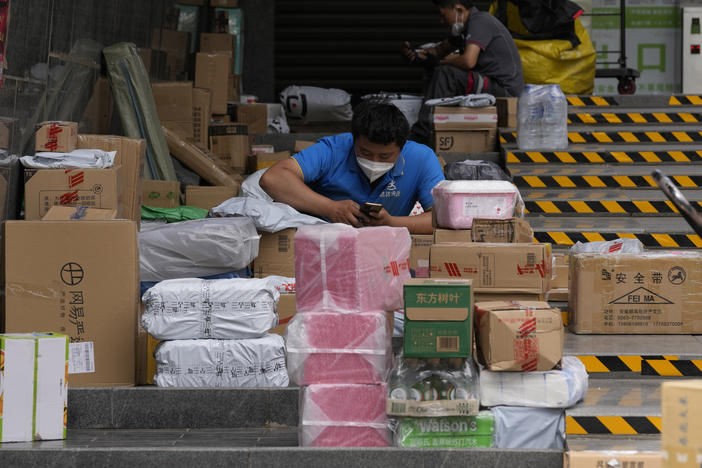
438, 318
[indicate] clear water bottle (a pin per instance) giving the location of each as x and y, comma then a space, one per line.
555, 120
530, 111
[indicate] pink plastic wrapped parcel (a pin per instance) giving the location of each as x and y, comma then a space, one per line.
343, 415
327, 347
342, 269
457, 202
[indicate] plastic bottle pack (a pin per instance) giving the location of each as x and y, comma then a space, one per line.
543, 118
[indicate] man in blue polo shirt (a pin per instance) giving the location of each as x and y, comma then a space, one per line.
375, 163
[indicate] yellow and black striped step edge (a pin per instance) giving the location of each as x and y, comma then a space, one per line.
595, 364
597, 207
616, 425
585, 101
672, 367
601, 181
648, 240
597, 157
634, 117
681, 136
683, 100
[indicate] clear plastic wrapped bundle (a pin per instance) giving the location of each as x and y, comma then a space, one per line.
458, 202
342, 269
343, 415
226, 309
552, 389
327, 347
202, 247
446, 432
257, 362
433, 387
518, 427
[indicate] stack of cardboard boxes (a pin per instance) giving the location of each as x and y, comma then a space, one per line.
465, 129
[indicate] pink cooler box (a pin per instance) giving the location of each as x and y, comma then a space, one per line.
457, 202
328, 347
339, 268
341, 415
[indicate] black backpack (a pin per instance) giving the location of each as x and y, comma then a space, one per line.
544, 19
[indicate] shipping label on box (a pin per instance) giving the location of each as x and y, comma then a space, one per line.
466, 141
681, 404
441, 236
438, 318
464, 118
496, 268
519, 336
160, 193
230, 143
652, 293
94, 188
80, 279
612, 459
508, 231
56, 137
419, 254
208, 197
276, 254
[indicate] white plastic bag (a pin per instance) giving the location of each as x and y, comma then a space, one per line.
251, 187
77, 159
201, 247
316, 104
267, 216
616, 246
529, 428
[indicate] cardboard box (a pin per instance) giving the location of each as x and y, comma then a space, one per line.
419, 254
655, 293
301, 145
438, 318
208, 197
457, 118
276, 254
218, 43
495, 268
442, 236
508, 231
467, 141
255, 116
560, 271
230, 143
94, 188
155, 62
131, 156
607, 459
224, 3
174, 104
7, 131
98, 112
212, 72
681, 403
78, 213
234, 88
89, 273
257, 149
170, 40
518, 336
176, 64
509, 297
286, 311
266, 160
11, 184
160, 193
202, 113
507, 112
35, 387
56, 136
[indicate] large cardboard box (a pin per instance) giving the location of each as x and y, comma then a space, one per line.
466, 141
442, 236
286, 311
160, 193
681, 433
438, 318
419, 254
78, 213
654, 293
508, 231
276, 254
560, 271
174, 104
79, 279
131, 156
507, 112
255, 116
208, 197
218, 43
230, 143
509, 297
212, 72
614, 459
155, 62
464, 118
35, 380
519, 336
202, 113
176, 44
266, 160
301, 145
495, 268
56, 136
94, 188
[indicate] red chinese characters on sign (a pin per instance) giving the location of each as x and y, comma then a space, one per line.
526, 345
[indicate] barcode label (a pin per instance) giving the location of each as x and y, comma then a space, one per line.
283, 244
447, 343
81, 358
398, 408
531, 259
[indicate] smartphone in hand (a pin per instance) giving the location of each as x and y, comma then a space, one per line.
368, 208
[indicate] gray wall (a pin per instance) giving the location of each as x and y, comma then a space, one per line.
259, 31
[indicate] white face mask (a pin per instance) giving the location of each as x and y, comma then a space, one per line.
457, 27
373, 169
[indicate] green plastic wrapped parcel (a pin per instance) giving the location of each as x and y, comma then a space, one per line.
173, 215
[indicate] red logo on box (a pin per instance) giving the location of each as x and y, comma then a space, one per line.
68, 198
452, 269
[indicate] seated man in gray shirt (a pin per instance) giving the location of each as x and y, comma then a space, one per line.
479, 57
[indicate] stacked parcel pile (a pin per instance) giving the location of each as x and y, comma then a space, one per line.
338, 344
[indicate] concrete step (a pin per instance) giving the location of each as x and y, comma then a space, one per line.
641, 443
640, 100
621, 115
625, 134
602, 153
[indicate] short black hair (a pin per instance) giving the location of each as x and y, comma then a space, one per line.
452, 3
380, 122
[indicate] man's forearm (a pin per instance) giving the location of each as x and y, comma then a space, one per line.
420, 224
285, 186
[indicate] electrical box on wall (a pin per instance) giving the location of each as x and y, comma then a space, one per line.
691, 54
